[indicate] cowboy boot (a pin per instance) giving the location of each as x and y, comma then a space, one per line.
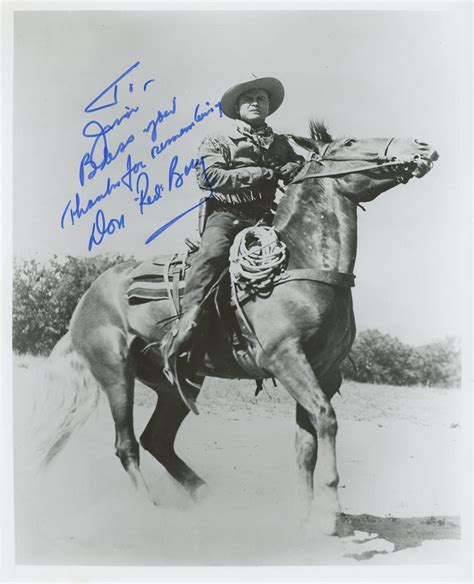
179, 340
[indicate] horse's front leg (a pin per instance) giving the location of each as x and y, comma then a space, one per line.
316, 434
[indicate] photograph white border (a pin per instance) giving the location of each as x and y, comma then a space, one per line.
13, 572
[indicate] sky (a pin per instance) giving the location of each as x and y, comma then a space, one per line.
365, 73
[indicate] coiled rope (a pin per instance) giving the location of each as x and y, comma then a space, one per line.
257, 257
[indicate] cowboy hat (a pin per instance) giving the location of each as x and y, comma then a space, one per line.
272, 86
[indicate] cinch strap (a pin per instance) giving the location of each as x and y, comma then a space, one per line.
340, 279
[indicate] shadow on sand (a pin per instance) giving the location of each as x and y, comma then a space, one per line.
403, 533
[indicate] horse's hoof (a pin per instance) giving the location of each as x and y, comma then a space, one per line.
345, 527
331, 524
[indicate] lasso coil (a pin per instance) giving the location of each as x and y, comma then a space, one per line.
257, 257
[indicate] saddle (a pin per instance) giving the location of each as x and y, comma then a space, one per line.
257, 260
164, 278
258, 263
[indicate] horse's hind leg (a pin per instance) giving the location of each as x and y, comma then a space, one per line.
306, 446
160, 433
112, 365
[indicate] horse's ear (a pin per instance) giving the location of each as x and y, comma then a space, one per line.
319, 132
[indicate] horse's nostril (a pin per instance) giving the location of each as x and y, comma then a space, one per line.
420, 143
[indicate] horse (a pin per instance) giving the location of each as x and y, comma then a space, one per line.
303, 330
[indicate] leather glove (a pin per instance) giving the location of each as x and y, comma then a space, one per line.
288, 171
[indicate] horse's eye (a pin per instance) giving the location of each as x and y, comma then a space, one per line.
349, 142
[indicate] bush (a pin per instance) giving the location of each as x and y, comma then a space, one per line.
380, 358
439, 363
45, 296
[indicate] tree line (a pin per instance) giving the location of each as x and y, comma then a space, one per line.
46, 293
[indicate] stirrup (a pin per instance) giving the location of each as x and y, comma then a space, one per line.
169, 369
183, 386
169, 375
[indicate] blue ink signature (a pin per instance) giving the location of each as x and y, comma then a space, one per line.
167, 225
141, 185
175, 177
101, 228
132, 168
175, 181
159, 118
78, 210
129, 111
198, 117
113, 87
159, 148
135, 177
94, 129
142, 188
195, 163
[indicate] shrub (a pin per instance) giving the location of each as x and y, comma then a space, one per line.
382, 358
45, 296
438, 363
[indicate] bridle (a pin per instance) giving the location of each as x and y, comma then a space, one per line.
381, 160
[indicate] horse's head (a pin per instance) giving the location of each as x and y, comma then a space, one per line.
367, 167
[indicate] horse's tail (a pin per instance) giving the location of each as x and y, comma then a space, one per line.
69, 396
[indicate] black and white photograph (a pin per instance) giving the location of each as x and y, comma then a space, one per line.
237, 296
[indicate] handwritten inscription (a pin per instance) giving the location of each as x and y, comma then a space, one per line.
158, 149
144, 199
102, 227
108, 164
160, 117
170, 223
176, 177
108, 96
106, 157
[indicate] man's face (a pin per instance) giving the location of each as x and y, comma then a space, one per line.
253, 107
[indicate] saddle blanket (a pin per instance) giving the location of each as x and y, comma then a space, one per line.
160, 278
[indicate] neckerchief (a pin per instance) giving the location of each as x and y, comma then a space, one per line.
262, 137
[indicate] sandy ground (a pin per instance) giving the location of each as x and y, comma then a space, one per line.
399, 460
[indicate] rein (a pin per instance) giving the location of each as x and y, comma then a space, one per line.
382, 160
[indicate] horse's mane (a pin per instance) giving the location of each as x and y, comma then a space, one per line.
319, 132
